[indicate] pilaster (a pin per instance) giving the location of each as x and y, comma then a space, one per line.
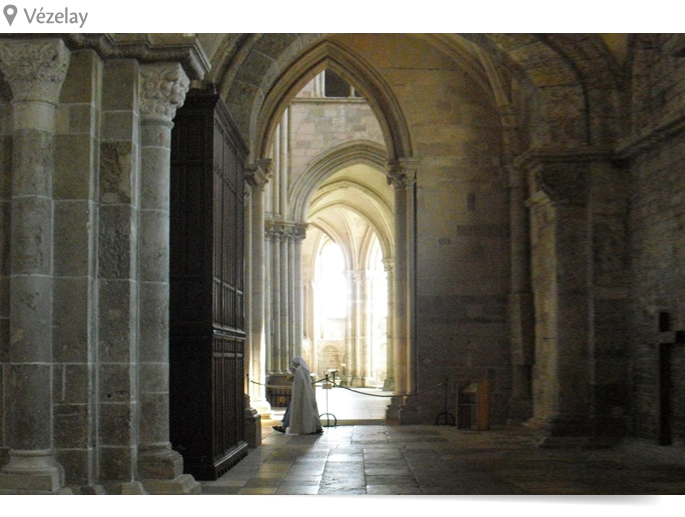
561, 240
520, 313
402, 175
257, 176
35, 71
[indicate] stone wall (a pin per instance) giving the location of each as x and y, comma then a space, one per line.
657, 225
5, 207
462, 229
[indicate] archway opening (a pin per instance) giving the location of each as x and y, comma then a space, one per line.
330, 226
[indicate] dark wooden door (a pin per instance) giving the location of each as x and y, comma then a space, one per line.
207, 307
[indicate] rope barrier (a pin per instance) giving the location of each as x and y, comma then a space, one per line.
444, 418
356, 391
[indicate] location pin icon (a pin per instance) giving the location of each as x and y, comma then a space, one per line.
10, 12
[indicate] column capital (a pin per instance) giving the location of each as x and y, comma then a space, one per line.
35, 69
286, 230
563, 175
402, 173
357, 275
162, 88
389, 265
257, 174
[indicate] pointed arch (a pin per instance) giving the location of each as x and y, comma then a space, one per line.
366, 80
329, 162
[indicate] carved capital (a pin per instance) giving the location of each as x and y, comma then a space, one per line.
564, 185
286, 230
258, 174
402, 174
34, 69
163, 88
562, 175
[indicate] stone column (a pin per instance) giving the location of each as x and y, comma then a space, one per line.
300, 234
521, 316
389, 382
276, 336
357, 338
402, 176
284, 298
562, 276
257, 176
297, 233
35, 71
162, 90
268, 304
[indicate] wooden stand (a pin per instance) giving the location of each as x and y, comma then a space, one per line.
473, 407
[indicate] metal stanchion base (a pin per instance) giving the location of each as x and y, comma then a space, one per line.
328, 419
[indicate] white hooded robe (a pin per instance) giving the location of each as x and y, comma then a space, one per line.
304, 411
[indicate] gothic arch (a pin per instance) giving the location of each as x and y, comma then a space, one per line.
383, 235
357, 72
328, 163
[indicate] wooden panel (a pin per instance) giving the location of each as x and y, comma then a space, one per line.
206, 306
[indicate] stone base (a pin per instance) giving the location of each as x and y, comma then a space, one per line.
392, 413
32, 472
411, 412
160, 463
160, 470
520, 410
132, 488
182, 485
389, 385
91, 490
262, 407
253, 428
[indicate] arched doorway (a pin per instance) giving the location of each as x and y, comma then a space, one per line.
328, 179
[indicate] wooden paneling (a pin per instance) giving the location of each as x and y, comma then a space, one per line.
207, 322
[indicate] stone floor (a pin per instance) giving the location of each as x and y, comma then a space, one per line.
364, 457
441, 460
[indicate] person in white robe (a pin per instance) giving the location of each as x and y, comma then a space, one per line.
302, 414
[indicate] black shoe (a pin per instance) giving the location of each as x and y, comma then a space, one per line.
278, 428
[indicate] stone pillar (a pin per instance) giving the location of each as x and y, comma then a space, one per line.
521, 318
117, 289
276, 336
5, 221
357, 339
75, 282
35, 71
162, 90
562, 276
257, 176
402, 176
389, 382
284, 298
300, 233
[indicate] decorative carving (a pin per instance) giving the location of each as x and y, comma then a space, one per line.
258, 174
563, 184
286, 230
402, 174
163, 87
34, 69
